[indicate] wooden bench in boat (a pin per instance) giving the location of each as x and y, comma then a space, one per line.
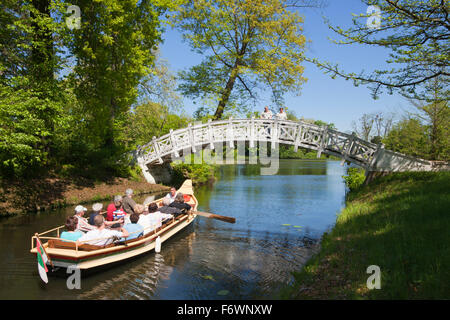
61, 244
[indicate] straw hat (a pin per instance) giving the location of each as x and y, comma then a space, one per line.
80, 208
97, 206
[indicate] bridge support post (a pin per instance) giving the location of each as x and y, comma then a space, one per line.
147, 175
298, 137
252, 133
157, 174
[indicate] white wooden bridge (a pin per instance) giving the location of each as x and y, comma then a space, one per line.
372, 157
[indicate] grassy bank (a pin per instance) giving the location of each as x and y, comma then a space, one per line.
18, 197
400, 223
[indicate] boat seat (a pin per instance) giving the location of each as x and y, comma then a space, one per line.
60, 244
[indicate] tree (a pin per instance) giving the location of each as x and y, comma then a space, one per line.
248, 45
152, 119
114, 51
416, 32
31, 99
409, 136
434, 111
376, 124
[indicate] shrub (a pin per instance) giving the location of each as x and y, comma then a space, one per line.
355, 178
199, 173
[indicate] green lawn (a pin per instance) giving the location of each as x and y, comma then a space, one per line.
400, 223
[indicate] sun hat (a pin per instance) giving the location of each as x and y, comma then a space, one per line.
80, 208
97, 206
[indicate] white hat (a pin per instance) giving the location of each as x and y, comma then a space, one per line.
97, 206
79, 208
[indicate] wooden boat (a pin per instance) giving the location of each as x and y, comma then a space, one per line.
86, 257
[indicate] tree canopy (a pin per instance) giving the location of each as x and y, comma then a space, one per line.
248, 46
417, 33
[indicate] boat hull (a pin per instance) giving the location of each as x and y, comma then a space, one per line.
120, 253
64, 255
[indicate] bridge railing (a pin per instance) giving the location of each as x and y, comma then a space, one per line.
297, 133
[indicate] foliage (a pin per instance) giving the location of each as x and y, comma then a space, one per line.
248, 45
113, 50
25, 130
408, 136
355, 178
416, 33
199, 173
65, 94
433, 111
152, 119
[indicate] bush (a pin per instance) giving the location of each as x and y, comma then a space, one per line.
198, 173
355, 178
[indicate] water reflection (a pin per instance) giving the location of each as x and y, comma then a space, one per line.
141, 278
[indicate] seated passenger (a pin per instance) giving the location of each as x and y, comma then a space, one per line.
134, 229
164, 208
152, 218
139, 208
83, 224
128, 203
145, 220
101, 236
172, 194
115, 210
96, 208
179, 203
71, 234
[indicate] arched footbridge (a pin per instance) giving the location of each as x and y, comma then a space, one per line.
372, 157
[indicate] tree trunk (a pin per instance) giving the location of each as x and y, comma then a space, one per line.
226, 93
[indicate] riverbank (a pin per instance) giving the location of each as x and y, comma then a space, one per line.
18, 197
401, 224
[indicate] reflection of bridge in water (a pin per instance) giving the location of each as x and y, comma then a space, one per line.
348, 147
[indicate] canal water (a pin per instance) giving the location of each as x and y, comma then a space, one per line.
279, 219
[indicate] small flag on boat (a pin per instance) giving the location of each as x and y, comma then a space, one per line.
42, 261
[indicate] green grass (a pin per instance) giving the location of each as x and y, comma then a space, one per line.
400, 223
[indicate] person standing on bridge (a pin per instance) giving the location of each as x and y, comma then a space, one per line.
281, 115
267, 114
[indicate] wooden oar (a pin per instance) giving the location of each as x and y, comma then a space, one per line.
215, 216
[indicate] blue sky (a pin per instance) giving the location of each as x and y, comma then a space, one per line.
330, 100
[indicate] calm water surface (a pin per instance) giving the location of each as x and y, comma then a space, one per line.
279, 218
